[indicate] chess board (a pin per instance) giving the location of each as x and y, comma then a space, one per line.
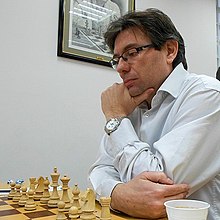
10, 210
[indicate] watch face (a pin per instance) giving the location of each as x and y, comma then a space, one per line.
112, 124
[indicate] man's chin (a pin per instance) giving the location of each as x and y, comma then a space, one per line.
133, 92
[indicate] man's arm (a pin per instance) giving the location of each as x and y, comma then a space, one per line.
144, 196
192, 133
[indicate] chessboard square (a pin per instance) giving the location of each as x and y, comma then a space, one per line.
11, 202
15, 205
13, 217
9, 212
53, 217
3, 203
54, 211
4, 198
23, 210
39, 214
5, 207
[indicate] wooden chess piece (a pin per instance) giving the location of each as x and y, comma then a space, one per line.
61, 210
12, 191
24, 196
17, 195
30, 204
46, 195
105, 211
39, 189
54, 198
73, 213
88, 207
75, 198
65, 197
32, 183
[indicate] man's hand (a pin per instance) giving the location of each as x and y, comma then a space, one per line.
144, 196
116, 100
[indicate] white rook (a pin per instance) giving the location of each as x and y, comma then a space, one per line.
105, 211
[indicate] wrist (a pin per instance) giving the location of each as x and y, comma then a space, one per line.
110, 116
115, 201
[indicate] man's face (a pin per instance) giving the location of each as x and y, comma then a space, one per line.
146, 70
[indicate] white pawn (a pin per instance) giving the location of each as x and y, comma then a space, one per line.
24, 196
13, 191
73, 213
46, 195
17, 195
30, 204
61, 210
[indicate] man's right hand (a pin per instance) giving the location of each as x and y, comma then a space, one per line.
116, 100
144, 195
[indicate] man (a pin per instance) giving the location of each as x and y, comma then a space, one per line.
160, 118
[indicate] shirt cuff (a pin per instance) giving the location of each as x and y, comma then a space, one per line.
106, 188
123, 136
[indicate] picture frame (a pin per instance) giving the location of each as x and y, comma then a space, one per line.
81, 26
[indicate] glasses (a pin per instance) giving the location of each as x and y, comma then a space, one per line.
128, 55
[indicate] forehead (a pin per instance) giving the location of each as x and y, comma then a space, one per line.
128, 38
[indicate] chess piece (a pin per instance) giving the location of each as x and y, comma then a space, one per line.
30, 204
12, 191
75, 198
39, 189
32, 183
65, 197
73, 213
24, 196
88, 207
54, 198
17, 195
61, 210
46, 195
105, 211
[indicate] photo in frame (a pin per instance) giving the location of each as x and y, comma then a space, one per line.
82, 24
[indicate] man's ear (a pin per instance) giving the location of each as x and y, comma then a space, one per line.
172, 50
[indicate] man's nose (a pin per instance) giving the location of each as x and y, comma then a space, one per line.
122, 66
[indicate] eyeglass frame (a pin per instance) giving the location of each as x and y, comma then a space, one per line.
114, 63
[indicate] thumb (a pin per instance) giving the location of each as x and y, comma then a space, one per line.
146, 95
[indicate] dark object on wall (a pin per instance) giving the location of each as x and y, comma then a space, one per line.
218, 74
81, 27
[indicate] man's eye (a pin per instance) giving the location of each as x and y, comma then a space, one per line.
132, 53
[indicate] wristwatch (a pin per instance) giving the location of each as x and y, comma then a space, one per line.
113, 124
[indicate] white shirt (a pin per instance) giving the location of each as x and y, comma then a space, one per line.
179, 135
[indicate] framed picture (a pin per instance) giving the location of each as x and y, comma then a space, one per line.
82, 24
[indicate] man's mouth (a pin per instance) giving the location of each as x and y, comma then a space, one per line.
129, 83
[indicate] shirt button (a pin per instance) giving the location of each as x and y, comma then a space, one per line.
147, 115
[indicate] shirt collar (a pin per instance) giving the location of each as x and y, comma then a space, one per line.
174, 81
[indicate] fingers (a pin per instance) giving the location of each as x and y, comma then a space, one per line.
176, 191
157, 177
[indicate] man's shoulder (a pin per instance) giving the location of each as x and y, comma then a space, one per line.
204, 81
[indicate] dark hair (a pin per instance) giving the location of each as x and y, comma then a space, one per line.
155, 24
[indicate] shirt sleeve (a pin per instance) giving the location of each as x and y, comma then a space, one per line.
191, 150
103, 177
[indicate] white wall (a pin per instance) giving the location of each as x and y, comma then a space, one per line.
50, 111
